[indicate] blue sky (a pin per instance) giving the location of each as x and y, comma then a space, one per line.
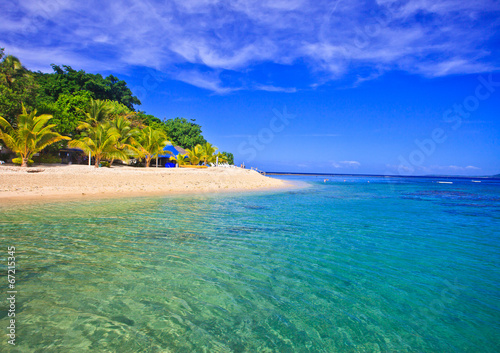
387, 87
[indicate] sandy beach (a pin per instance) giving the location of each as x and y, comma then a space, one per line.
49, 182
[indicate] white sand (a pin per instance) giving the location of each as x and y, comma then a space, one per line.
79, 181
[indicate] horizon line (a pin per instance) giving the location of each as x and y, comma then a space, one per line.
495, 176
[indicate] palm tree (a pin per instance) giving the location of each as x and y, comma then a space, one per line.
12, 69
150, 143
222, 157
97, 112
196, 154
31, 135
180, 159
127, 135
208, 153
100, 141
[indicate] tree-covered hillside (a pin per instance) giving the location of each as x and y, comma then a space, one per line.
66, 94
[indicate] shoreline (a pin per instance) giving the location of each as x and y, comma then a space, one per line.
53, 183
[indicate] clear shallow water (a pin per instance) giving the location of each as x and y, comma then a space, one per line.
399, 265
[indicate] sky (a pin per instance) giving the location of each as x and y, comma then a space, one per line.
377, 87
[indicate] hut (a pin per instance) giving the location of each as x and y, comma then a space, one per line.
170, 150
73, 156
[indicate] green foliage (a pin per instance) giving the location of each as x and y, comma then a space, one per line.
99, 141
72, 97
152, 121
195, 154
209, 153
19, 161
17, 86
117, 109
67, 111
180, 159
47, 158
183, 133
12, 70
126, 135
105, 164
66, 80
31, 135
229, 158
149, 119
97, 112
220, 158
150, 143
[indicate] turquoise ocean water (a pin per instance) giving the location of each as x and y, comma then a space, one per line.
361, 265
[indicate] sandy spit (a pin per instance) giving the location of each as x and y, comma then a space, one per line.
50, 182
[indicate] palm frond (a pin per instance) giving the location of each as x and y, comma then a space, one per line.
4, 124
40, 121
48, 139
9, 141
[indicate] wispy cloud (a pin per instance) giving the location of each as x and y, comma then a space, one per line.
469, 167
452, 168
433, 169
276, 89
210, 80
334, 39
42, 59
346, 164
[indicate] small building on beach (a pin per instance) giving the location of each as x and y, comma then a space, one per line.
170, 151
73, 156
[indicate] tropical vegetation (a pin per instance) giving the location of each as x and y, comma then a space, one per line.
127, 135
195, 154
209, 153
17, 87
180, 159
100, 141
98, 114
30, 135
150, 144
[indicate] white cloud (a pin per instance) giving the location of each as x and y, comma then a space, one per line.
455, 168
276, 89
44, 57
346, 164
433, 169
333, 38
209, 81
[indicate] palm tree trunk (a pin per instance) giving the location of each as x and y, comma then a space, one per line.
148, 160
97, 160
24, 163
111, 162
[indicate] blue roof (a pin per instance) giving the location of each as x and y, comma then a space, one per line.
71, 150
171, 149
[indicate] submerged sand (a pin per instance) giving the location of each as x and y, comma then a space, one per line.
70, 181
